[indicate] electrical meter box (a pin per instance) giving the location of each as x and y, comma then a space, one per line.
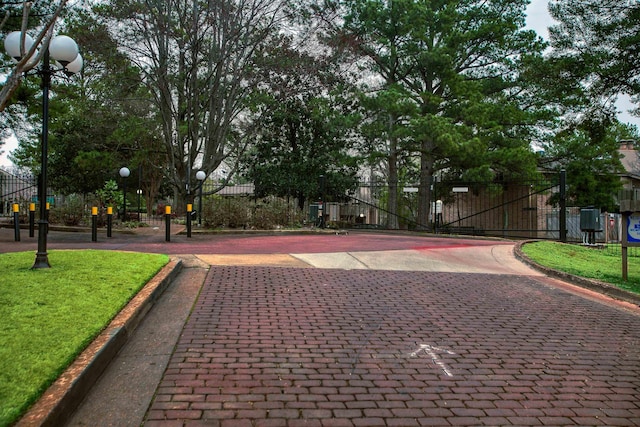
314, 212
590, 219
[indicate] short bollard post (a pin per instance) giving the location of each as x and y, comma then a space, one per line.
189, 210
109, 220
32, 219
167, 219
48, 208
16, 222
94, 224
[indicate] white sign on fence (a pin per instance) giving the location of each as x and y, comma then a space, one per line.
460, 189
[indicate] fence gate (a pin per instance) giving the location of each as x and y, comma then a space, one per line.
504, 209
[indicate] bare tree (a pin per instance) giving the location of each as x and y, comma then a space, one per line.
29, 58
198, 58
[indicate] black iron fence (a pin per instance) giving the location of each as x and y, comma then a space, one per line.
523, 209
20, 189
516, 209
505, 209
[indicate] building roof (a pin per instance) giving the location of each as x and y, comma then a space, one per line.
237, 190
630, 159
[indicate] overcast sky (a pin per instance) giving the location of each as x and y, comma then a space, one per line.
538, 19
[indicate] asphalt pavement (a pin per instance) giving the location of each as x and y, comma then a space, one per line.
361, 329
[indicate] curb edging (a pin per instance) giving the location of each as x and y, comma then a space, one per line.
59, 401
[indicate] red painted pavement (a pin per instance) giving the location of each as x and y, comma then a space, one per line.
241, 244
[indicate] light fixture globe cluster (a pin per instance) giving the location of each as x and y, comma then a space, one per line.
62, 49
12, 44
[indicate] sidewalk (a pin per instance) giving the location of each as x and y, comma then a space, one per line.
124, 392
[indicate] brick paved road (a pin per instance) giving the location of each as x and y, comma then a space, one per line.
269, 346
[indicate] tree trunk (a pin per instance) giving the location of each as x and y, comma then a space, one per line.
424, 188
392, 208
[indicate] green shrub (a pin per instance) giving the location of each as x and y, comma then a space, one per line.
245, 212
231, 212
272, 212
71, 213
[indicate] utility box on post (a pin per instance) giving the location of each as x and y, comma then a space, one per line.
590, 219
314, 212
590, 224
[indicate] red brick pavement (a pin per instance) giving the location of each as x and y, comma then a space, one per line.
304, 347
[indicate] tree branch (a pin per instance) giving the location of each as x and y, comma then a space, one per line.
28, 60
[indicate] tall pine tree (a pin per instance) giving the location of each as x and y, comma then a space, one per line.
460, 64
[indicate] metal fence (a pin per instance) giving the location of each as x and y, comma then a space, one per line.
498, 208
519, 209
505, 209
20, 189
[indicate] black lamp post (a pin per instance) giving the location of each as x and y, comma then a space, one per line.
124, 173
200, 176
64, 50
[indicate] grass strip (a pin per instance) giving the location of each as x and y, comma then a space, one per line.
589, 262
48, 316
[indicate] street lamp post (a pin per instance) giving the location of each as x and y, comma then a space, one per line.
124, 173
200, 176
64, 50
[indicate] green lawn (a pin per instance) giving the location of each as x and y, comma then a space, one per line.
593, 263
48, 316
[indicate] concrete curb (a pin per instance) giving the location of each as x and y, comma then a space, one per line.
63, 396
591, 284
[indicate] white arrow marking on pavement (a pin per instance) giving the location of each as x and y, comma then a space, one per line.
431, 351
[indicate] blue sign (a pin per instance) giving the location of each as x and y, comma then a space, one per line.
633, 228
